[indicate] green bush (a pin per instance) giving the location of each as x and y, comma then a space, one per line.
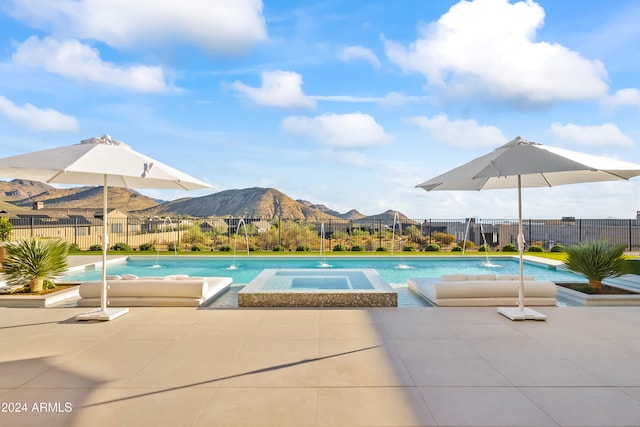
253, 249
278, 248
482, 248
456, 249
197, 248
408, 249
381, 249
225, 248
5, 229
597, 260
171, 247
535, 248
509, 248
73, 247
556, 248
95, 248
121, 246
34, 263
357, 248
302, 248
339, 248
432, 248
147, 247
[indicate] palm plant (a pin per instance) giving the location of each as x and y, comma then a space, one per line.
32, 262
597, 260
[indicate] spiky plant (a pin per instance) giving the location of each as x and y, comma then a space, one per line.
597, 260
32, 262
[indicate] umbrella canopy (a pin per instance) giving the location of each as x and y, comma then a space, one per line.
98, 161
521, 163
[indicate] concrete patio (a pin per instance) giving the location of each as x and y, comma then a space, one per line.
320, 367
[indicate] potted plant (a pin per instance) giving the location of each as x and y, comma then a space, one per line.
597, 260
34, 262
5, 234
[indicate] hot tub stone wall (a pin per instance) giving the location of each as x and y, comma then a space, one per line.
319, 299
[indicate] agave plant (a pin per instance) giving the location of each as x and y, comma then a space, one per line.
34, 262
597, 260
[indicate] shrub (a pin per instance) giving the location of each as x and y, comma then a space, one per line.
535, 248
278, 248
456, 249
482, 248
302, 248
95, 248
408, 249
225, 248
556, 248
432, 248
357, 248
147, 247
197, 248
381, 249
253, 249
73, 247
5, 229
509, 248
172, 247
597, 260
121, 246
339, 248
35, 262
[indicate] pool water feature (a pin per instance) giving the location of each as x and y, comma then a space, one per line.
318, 288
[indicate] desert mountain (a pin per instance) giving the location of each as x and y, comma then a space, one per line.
18, 189
352, 214
248, 202
73, 198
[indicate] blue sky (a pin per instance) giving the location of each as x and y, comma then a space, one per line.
345, 103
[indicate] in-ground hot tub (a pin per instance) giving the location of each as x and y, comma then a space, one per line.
318, 288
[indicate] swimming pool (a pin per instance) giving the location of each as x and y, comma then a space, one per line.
395, 270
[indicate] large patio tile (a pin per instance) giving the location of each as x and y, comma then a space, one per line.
454, 372
545, 372
586, 406
513, 348
367, 366
142, 407
372, 406
346, 315
275, 363
352, 330
257, 407
483, 406
614, 372
436, 348
418, 330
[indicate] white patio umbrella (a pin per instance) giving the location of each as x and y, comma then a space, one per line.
98, 161
521, 163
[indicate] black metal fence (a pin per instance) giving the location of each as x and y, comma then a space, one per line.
249, 234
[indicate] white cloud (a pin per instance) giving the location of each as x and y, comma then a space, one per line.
338, 130
347, 98
396, 99
221, 26
279, 89
489, 47
72, 59
34, 118
624, 97
351, 53
460, 133
607, 134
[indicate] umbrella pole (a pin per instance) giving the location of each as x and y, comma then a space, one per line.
520, 312
104, 313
